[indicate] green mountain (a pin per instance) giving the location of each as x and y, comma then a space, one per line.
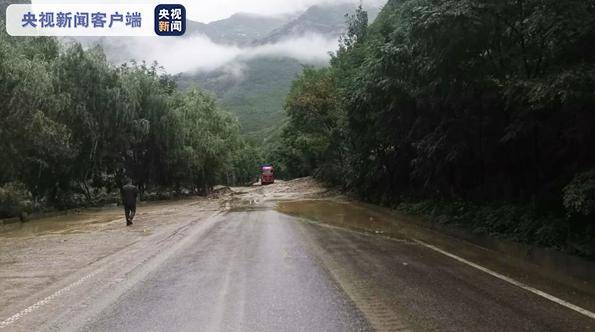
239, 29
256, 98
253, 85
327, 20
254, 89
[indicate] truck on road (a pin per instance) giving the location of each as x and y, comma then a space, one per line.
267, 174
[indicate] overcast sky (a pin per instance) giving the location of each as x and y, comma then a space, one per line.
200, 53
212, 10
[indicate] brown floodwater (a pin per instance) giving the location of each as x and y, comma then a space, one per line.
554, 269
94, 219
63, 224
353, 216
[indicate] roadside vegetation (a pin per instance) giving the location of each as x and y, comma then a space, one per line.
73, 128
444, 107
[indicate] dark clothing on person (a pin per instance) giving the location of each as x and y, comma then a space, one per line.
129, 194
129, 211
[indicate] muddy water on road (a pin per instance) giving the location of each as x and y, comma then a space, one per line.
63, 224
97, 219
549, 271
353, 216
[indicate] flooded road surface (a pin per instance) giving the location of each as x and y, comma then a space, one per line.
349, 215
253, 272
563, 276
64, 224
266, 262
40, 256
262, 270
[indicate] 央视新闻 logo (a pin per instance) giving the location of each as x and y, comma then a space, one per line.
170, 20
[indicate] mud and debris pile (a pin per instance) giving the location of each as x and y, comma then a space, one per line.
302, 187
220, 191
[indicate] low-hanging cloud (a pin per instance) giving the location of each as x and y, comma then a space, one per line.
199, 53
309, 48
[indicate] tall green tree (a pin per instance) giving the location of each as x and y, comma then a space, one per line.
448, 99
73, 127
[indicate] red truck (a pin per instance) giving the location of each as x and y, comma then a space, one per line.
267, 174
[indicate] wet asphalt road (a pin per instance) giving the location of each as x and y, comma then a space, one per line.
265, 271
251, 272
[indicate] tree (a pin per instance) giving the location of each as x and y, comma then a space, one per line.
473, 100
307, 139
73, 127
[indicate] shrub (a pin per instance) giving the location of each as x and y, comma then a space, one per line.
15, 200
579, 194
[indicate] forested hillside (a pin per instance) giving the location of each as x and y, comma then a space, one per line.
256, 98
254, 89
73, 128
327, 19
474, 112
239, 29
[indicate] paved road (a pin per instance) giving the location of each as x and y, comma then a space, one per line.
252, 272
265, 271
260, 270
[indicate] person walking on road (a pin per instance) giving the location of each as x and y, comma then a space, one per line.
129, 194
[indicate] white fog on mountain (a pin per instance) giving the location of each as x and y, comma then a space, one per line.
199, 53
305, 36
248, 59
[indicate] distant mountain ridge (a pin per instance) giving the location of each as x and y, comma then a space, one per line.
239, 29
256, 96
243, 29
252, 87
327, 20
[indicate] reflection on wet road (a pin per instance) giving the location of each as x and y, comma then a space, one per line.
253, 272
508, 259
296, 265
348, 215
261, 270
